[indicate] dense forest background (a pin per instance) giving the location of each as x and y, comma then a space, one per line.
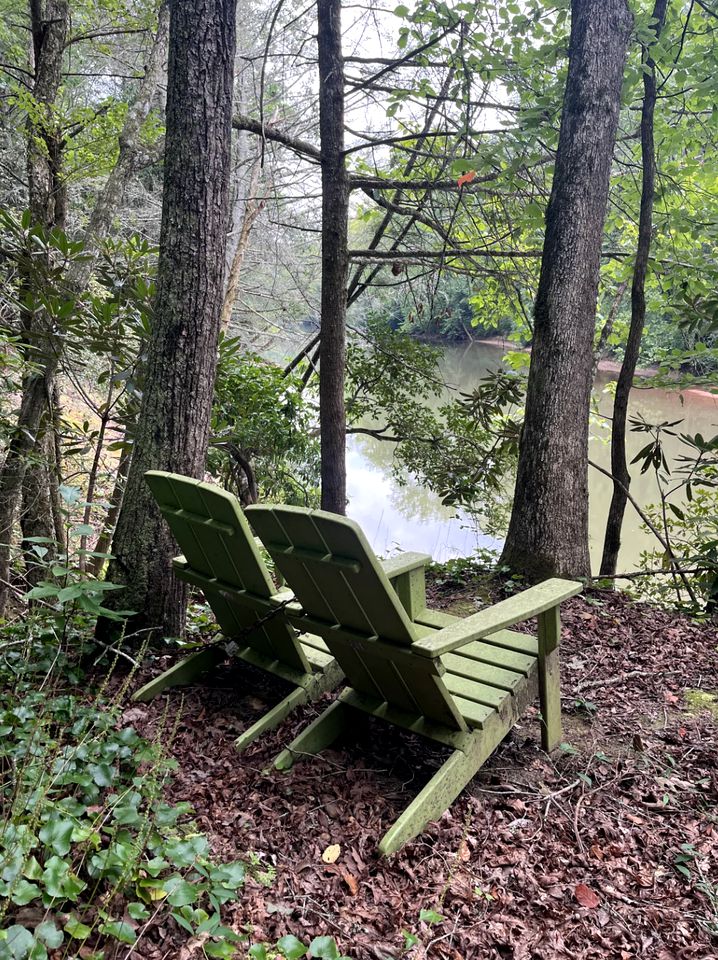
236, 237
451, 122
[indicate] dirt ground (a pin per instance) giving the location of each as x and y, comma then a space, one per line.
607, 848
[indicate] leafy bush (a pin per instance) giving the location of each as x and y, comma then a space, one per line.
263, 437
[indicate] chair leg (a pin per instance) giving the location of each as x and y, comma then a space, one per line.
549, 635
318, 735
271, 719
444, 787
182, 673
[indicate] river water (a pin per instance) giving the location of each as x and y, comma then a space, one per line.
410, 517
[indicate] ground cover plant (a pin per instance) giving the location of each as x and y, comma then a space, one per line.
92, 854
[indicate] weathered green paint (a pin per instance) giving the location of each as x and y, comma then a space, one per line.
462, 683
549, 637
506, 613
221, 558
272, 718
321, 733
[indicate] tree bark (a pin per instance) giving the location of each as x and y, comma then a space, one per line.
38, 387
173, 425
548, 531
49, 24
97, 563
619, 466
335, 260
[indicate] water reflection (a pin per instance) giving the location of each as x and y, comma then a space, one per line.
410, 517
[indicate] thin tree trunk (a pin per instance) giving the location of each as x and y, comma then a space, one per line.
548, 531
173, 425
105, 538
607, 328
619, 466
95, 468
130, 149
252, 208
34, 404
335, 261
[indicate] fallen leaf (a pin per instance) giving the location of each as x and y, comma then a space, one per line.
466, 178
586, 896
351, 882
331, 854
463, 851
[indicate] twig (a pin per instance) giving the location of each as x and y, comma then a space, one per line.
115, 650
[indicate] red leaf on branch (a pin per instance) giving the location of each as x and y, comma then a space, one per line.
466, 178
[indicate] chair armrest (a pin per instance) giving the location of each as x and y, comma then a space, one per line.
544, 596
406, 573
404, 563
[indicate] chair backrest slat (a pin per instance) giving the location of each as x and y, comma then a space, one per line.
215, 538
354, 592
348, 600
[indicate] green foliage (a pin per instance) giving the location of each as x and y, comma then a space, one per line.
462, 446
88, 838
263, 437
688, 554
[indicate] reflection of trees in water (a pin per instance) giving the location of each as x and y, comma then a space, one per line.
406, 495
463, 367
417, 502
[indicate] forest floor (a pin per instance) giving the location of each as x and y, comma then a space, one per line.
608, 848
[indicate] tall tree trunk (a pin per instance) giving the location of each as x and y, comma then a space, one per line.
49, 23
37, 388
619, 466
173, 425
548, 531
335, 261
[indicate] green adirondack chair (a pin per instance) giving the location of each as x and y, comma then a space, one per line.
222, 559
459, 682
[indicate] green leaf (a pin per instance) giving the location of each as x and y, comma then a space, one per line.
24, 892
120, 930
258, 951
57, 834
76, 929
324, 948
20, 941
221, 949
431, 916
59, 881
183, 853
230, 874
180, 893
138, 911
102, 773
291, 948
82, 530
49, 934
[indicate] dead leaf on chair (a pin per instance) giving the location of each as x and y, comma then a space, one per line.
331, 854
